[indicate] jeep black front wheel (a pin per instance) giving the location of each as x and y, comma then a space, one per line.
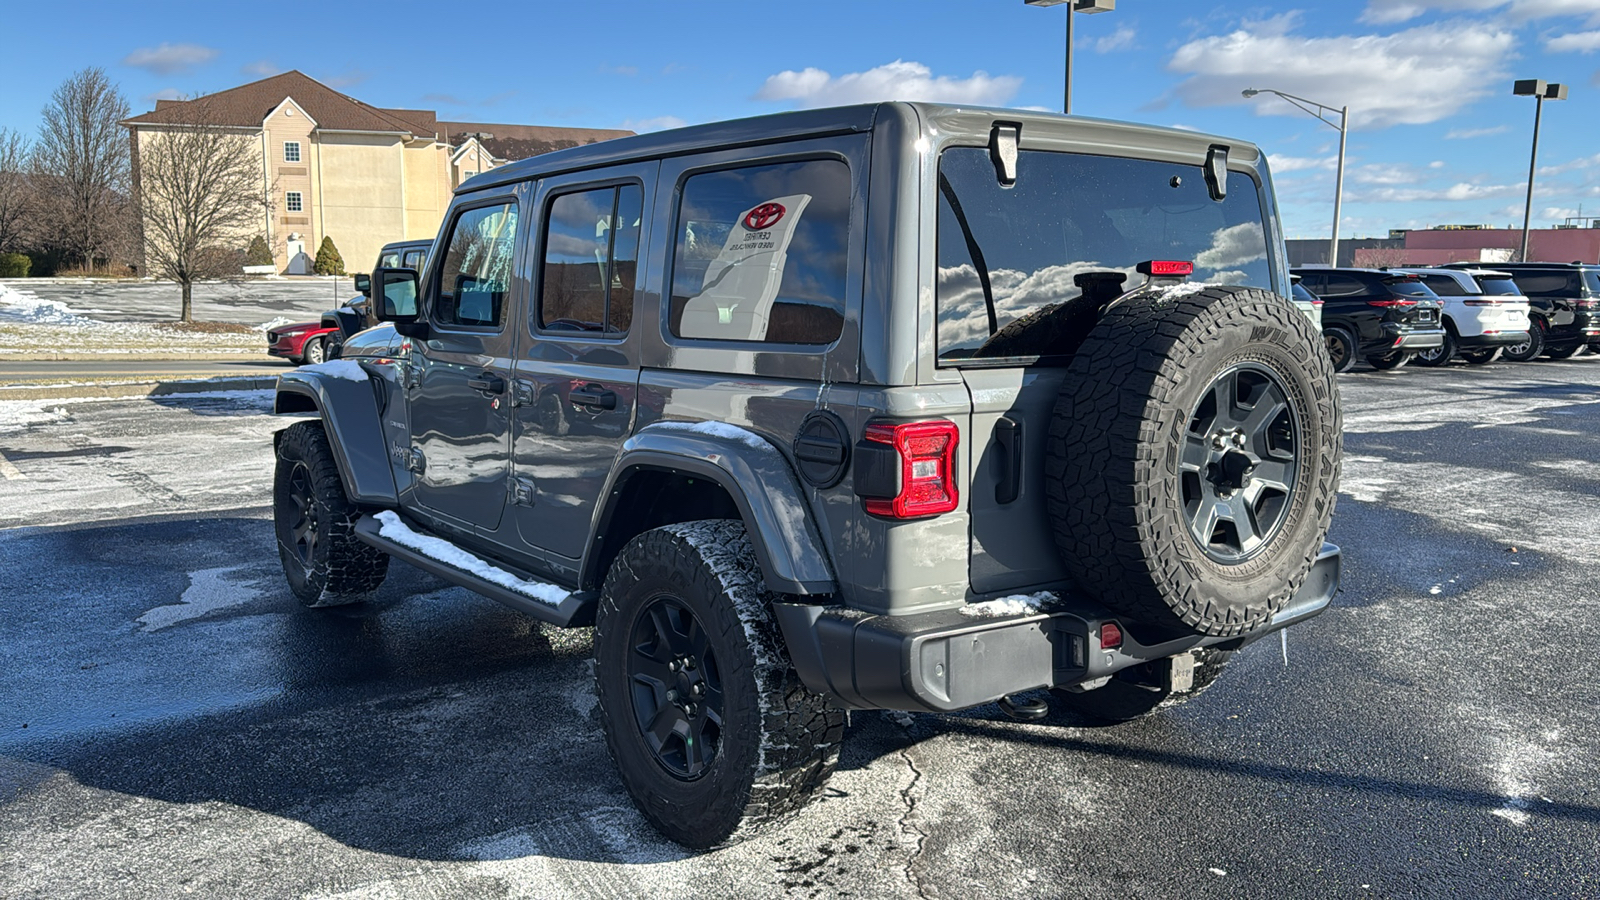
1193, 458
711, 730
323, 560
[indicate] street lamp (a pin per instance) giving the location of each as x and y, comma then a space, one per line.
1083, 6
1538, 89
1322, 112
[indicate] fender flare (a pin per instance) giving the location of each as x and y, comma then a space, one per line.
349, 412
754, 473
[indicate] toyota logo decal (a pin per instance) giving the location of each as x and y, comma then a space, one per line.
763, 217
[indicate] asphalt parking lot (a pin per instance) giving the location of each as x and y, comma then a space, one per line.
172, 723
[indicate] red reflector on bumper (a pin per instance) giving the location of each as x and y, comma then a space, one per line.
1110, 636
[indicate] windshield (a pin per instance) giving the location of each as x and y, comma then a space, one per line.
1005, 252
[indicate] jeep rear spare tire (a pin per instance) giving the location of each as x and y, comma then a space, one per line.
1194, 457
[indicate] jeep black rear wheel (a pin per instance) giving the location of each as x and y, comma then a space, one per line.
323, 560
1193, 458
711, 730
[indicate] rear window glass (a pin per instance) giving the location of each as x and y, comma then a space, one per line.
1498, 287
1407, 288
1006, 252
1444, 285
1591, 280
761, 254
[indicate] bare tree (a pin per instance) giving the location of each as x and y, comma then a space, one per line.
81, 162
200, 200
16, 191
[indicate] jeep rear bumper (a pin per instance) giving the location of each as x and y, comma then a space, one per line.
944, 661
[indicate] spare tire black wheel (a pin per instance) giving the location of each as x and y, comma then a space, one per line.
1194, 457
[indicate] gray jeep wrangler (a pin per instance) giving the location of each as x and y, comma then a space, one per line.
899, 406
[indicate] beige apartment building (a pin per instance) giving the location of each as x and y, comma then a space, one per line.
332, 165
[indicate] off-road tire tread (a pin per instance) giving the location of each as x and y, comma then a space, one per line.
1107, 452
800, 731
351, 570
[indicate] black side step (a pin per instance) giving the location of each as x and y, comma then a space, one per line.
576, 611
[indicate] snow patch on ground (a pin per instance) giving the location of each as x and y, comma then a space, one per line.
347, 369
25, 308
451, 555
209, 590
1014, 605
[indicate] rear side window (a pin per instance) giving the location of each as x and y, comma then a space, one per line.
477, 267
389, 260
1343, 286
1006, 252
761, 254
1591, 280
1544, 284
591, 260
1444, 285
414, 260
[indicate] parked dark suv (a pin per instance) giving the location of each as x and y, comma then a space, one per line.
901, 406
1370, 314
1563, 306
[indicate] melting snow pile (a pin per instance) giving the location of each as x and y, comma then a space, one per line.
1014, 605
23, 308
451, 555
276, 322
1183, 289
721, 430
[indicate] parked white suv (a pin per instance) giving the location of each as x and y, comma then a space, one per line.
1484, 312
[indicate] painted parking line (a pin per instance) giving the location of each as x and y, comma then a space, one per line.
9, 471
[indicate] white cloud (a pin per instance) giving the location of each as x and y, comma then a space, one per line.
1576, 42
1383, 12
1456, 192
1385, 173
1232, 247
1282, 164
1467, 134
1361, 70
899, 80
261, 68
655, 123
1121, 39
169, 58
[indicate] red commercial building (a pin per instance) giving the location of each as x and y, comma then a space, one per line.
1437, 246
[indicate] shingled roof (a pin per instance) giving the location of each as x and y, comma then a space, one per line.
248, 105
523, 141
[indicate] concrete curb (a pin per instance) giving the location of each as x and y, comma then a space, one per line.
124, 388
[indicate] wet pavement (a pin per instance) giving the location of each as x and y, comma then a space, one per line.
172, 723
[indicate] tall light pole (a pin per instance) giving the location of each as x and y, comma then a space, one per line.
1322, 112
1540, 91
1083, 6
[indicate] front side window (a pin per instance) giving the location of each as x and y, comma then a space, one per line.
476, 274
1006, 252
291, 151
761, 254
293, 201
591, 260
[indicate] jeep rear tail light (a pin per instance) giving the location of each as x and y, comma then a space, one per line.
1110, 636
908, 471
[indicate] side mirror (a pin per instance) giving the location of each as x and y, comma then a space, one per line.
364, 285
396, 301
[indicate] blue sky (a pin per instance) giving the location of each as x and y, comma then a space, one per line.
1437, 136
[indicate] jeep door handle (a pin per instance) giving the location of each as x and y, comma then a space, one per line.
492, 384
594, 396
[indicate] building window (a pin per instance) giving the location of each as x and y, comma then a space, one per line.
293, 202
467, 174
291, 151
